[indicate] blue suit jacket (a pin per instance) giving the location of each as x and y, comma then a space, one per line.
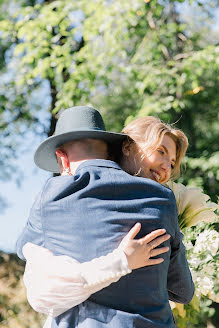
85, 216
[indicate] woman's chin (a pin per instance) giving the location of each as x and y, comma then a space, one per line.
149, 176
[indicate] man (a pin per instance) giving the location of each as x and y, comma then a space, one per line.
86, 215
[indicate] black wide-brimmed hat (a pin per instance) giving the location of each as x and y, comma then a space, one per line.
74, 123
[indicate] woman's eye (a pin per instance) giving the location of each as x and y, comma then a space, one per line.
172, 166
161, 151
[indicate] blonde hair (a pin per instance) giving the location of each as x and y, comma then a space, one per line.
147, 133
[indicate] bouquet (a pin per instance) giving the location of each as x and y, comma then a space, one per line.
201, 242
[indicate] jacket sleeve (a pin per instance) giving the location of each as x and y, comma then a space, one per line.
179, 281
32, 231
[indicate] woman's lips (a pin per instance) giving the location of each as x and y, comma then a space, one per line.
156, 176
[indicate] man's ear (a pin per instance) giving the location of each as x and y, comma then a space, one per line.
126, 146
63, 158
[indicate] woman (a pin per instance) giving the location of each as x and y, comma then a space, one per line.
153, 150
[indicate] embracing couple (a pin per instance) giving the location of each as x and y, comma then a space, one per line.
94, 235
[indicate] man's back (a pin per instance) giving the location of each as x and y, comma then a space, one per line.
86, 216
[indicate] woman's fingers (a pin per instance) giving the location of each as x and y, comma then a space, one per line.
153, 244
154, 234
159, 251
134, 231
154, 261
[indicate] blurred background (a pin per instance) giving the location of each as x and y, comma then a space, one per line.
128, 59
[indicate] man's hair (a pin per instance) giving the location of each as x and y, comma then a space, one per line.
88, 144
147, 132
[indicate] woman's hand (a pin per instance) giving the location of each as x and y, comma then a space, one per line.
140, 251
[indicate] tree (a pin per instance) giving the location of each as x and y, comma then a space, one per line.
129, 59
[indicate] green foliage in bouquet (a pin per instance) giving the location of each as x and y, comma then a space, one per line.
196, 317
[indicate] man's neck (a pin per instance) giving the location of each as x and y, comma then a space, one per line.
75, 164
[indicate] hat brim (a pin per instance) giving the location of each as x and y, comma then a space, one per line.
45, 155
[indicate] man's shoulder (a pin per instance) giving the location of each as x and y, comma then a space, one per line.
118, 175
148, 184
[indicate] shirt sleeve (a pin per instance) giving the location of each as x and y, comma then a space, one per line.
32, 231
57, 283
179, 281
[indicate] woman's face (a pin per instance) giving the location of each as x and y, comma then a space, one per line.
156, 166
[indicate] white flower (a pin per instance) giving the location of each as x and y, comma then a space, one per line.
193, 205
194, 262
194, 275
209, 270
188, 245
214, 297
206, 285
208, 240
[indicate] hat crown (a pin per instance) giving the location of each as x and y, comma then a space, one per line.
74, 123
79, 118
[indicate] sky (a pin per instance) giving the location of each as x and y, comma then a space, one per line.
20, 199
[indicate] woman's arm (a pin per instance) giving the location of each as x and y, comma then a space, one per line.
57, 283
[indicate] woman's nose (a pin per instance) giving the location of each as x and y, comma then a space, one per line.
166, 165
